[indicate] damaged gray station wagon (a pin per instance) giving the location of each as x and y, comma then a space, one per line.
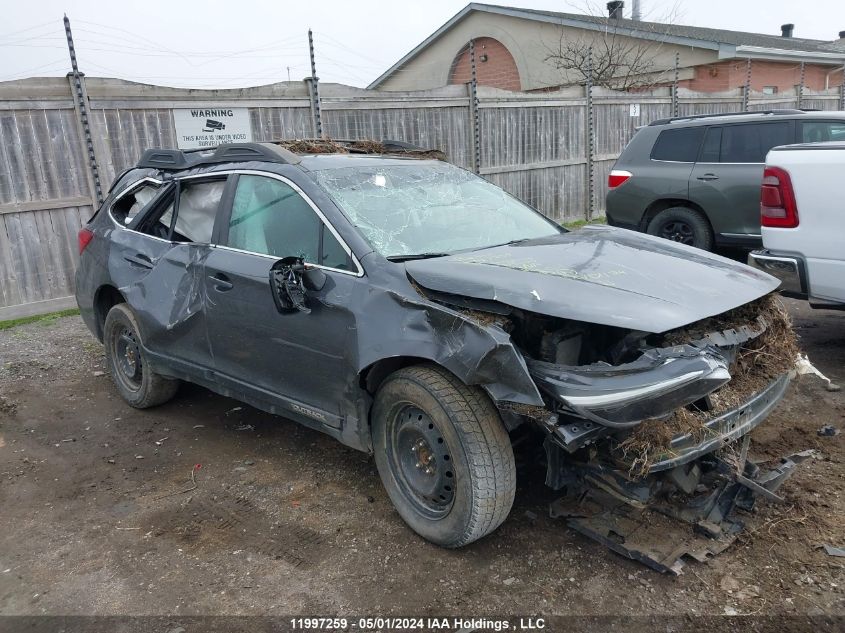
413, 310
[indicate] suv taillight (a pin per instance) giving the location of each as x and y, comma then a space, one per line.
777, 200
617, 177
84, 238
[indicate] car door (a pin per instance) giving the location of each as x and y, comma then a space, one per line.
301, 362
726, 179
157, 262
666, 175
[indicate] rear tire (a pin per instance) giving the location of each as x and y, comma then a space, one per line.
684, 225
443, 455
135, 380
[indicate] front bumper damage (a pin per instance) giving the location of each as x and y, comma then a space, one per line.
685, 505
659, 381
687, 512
671, 488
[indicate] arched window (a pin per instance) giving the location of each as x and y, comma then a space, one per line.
494, 65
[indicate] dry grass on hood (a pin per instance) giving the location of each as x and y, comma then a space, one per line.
758, 362
365, 146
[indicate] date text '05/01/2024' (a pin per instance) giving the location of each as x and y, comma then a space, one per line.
425, 624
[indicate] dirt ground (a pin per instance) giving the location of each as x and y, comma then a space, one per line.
99, 513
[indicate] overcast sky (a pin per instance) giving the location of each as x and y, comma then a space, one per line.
233, 43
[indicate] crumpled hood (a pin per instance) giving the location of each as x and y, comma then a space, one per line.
600, 275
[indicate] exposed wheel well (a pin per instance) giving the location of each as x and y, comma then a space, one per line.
375, 374
104, 300
661, 205
372, 377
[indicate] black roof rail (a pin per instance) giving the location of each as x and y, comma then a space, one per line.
693, 117
177, 159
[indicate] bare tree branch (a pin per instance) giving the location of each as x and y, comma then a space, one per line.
619, 62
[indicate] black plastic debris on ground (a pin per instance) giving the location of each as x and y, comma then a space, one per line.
662, 531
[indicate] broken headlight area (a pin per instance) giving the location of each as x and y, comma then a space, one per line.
656, 384
661, 399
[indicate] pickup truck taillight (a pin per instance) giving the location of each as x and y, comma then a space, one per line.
617, 177
84, 238
777, 200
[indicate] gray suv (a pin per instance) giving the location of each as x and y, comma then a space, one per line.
696, 180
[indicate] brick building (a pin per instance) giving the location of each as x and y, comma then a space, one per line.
512, 48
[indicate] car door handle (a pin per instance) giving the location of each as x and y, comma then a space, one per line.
221, 282
708, 177
140, 260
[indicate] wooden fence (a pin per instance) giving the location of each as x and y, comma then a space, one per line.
531, 144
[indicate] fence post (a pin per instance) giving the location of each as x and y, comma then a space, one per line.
675, 88
314, 91
473, 111
746, 89
801, 88
590, 136
842, 90
80, 105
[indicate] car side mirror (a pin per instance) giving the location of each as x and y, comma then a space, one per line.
313, 278
289, 277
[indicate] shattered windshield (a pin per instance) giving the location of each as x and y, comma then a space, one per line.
426, 209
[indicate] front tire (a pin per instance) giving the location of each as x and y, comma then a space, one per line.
684, 225
135, 380
443, 455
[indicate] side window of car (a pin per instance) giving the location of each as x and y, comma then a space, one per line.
822, 131
198, 204
711, 147
127, 207
679, 146
271, 218
749, 143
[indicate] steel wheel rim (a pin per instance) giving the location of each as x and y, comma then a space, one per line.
127, 356
421, 462
678, 231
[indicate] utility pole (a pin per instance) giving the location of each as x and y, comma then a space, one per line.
675, 86
473, 102
801, 88
842, 90
315, 89
81, 107
746, 90
588, 90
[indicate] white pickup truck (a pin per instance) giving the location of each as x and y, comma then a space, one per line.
802, 213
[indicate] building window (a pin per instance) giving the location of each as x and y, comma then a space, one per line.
770, 90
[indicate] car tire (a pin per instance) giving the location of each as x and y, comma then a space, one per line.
684, 225
137, 384
443, 454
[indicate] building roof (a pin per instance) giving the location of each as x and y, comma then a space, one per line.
729, 44
652, 29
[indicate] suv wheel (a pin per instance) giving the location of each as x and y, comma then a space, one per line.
443, 455
137, 383
684, 225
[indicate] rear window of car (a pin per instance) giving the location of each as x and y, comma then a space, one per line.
679, 145
822, 131
127, 207
749, 143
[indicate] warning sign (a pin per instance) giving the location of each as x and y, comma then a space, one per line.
207, 127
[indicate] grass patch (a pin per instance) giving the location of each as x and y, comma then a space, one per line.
577, 224
43, 319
